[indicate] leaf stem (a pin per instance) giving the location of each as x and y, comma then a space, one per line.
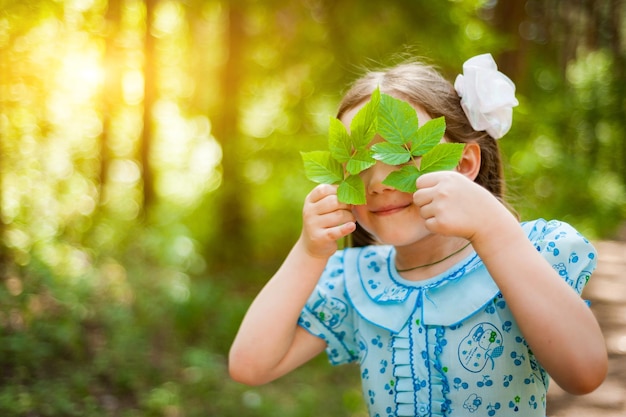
406, 146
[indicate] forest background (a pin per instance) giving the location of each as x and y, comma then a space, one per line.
151, 181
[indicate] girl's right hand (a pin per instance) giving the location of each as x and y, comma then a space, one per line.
325, 220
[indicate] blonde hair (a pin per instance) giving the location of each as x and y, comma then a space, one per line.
422, 85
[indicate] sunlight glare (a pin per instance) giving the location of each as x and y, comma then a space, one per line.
132, 87
186, 153
81, 74
473, 31
168, 17
124, 171
265, 110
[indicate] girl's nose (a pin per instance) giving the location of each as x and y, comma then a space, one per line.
374, 177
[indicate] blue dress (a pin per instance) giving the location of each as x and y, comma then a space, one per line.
447, 346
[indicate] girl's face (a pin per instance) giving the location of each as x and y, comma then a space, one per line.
389, 215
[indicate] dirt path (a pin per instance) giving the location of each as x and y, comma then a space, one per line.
607, 292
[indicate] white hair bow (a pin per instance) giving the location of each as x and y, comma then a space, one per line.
487, 95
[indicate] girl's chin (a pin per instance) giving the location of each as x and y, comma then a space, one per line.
402, 236
395, 235
397, 239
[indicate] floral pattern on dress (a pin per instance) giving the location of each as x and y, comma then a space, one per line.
447, 346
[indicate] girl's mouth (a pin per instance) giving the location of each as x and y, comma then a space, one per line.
389, 210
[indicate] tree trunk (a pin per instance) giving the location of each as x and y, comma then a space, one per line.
149, 98
4, 76
230, 241
616, 11
508, 17
111, 94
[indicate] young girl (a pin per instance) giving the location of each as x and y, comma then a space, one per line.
450, 305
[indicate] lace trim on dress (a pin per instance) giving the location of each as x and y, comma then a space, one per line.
422, 386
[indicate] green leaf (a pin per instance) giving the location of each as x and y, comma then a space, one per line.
320, 167
444, 156
428, 136
404, 179
364, 124
360, 161
391, 153
352, 190
397, 120
339, 141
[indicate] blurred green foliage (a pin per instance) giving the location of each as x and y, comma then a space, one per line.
151, 180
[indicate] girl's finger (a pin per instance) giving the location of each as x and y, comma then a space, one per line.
325, 199
339, 217
329, 220
331, 203
320, 192
429, 180
337, 232
423, 196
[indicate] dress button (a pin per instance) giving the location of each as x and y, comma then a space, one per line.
422, 410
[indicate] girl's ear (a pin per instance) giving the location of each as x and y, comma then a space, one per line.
469, 165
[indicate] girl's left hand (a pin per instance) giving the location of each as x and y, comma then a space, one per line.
454, 205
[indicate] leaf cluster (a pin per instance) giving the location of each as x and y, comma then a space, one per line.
417, 150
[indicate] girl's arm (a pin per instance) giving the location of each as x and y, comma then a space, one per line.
269, 342
558, 326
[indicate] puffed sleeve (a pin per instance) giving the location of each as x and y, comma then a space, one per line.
569, 252
328, 314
